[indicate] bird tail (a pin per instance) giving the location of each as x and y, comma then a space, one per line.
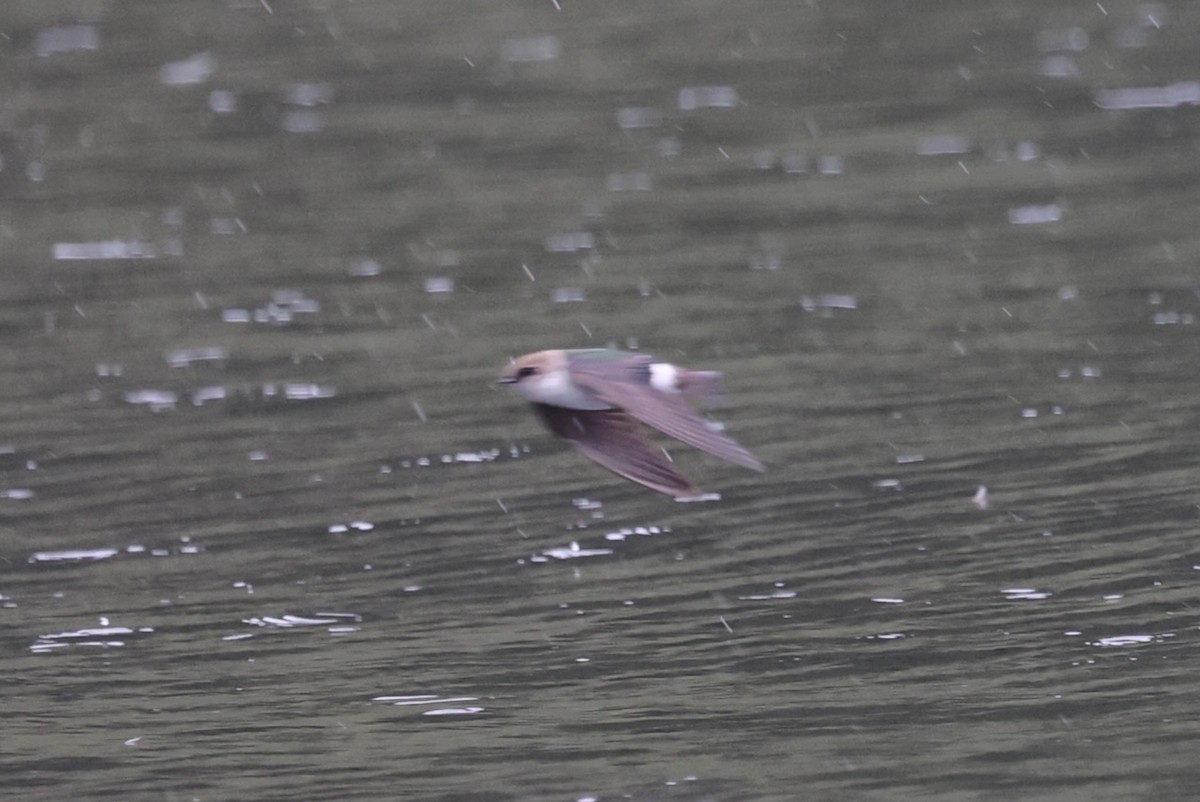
703, 385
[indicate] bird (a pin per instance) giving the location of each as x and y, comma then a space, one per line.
597, 397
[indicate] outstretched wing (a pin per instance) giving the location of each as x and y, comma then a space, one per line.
610, 438
625, 384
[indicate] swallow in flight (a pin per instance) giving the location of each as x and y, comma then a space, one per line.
597, 397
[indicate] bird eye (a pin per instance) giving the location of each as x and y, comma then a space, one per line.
526, 371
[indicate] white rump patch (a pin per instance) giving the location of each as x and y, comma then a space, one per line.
664, 377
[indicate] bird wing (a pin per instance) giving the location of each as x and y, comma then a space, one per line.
625, 384
610, 438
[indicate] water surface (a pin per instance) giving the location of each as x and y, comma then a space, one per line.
271, 531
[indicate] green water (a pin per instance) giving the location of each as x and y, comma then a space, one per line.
924, 255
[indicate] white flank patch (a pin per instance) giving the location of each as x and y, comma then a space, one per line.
664, 377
